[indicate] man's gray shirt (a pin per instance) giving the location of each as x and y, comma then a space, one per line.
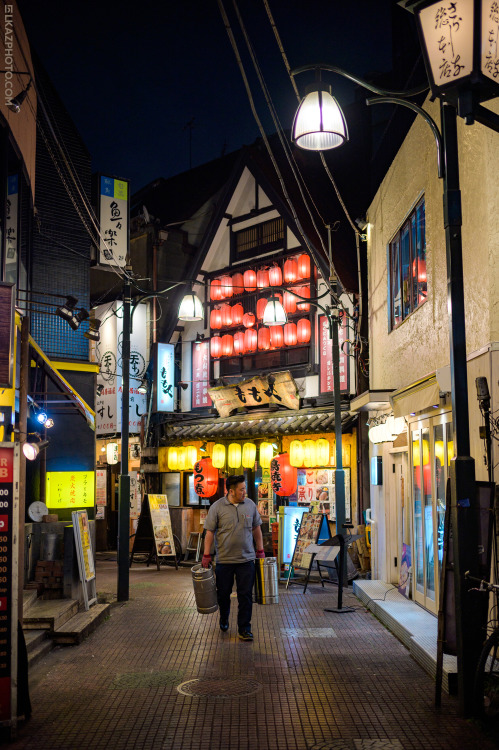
233, 524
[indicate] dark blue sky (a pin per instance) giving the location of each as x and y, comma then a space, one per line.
133, 75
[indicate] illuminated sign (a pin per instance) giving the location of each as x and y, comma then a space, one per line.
113, 214
70, 489
290, 518
165, 378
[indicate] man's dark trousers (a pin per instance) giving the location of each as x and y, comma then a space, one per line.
245, 577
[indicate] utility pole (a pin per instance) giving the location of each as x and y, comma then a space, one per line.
124, 479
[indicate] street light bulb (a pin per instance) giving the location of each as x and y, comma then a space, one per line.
274, 313
191, 309
319, 123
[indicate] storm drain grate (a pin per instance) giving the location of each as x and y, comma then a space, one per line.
361, 744
220, 689
308, 632
134, 680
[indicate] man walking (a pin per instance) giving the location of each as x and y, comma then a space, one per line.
233, 521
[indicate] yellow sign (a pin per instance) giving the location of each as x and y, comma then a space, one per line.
70, 489
86, 546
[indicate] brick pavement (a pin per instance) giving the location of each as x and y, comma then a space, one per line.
317, 680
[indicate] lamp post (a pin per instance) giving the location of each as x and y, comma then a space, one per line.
462, 62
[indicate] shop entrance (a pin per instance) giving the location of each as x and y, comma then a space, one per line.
398, 523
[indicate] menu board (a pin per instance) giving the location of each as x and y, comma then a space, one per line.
83, 545
317, 489
162, 525
101, 487
308, 534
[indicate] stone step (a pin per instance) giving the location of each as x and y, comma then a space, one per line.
41, 649
73, 631
33, 638
29, 598
49, 614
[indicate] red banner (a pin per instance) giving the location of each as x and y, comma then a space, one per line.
326, 355
6, 540
200, 374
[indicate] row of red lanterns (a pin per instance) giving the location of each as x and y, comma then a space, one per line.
234, 315
249, 281
264, 339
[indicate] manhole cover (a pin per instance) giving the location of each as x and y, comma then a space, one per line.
225, 687
361, 744
134, 680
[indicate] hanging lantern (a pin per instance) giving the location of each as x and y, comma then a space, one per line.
216, 290
239, 343
226, 311
250, 340
112, 453
303, 291
262, 279
226, 283
290, 271
290, 336
182, 459
192, 456
263, 339
275, 276
234, 456
309, 453
249, 281
237, 283
304, 266
216, 319
322, 452
216, 346
260, 307
227, 345
303, 331
205, 478
296, 453
218, 456
284, 477
266, 454
173, 459
249, 320
237, 314
276, 337
290, 303
249, 455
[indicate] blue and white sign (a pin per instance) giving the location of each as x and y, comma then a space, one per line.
165, 378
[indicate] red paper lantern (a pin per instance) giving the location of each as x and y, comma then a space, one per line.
275, 276
290, 335
303, 331
205, 478
284, 477
216, 319
237, 314
289, 303
226, 311
250, 340
249, 281
249, 320
216, 289
227, 345
237, 283
216, 347
304, 266
262, 279
263, 338
276, 337
226, 282
239, 343
260, 307
303, 291
290, 271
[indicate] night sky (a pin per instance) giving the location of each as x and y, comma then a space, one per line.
133, 76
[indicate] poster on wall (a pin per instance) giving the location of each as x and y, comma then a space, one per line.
316, 488
200, 374
326, 356
101, 487
404, 586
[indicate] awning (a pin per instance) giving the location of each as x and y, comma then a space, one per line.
416, 397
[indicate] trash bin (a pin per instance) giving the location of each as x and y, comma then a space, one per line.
205, 589
266, 584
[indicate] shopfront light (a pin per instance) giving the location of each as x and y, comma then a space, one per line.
218, 456
319, 123
191, 309
274, 313
234, 457
173, 459
249, 455
266, 455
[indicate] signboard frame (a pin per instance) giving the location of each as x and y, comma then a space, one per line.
311, 527
84, 554
145, 540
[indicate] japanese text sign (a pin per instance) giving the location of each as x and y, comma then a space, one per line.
113, 214
200, 374
165, 375
70, 489
279, 388
326, 355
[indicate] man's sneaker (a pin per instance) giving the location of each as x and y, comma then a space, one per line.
224, 625
245, 635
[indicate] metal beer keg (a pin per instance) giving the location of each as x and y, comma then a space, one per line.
266, 584
205, 589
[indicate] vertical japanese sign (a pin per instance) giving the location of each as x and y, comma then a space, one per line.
165, 374
83, 544
101, 487
326, 356
200, 374
7, 319
113, 216
11, 238
8, 587
490, 44
449, 41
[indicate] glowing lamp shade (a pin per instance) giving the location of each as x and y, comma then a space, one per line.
226, 282
226, 311
249, 455
284, 476
182, 459
249, 320
274, 313
296, 453
191, 309
239, 343
319, 123
192, 456
227, 345
290, 271
250, 340
216, 290
262, 279
173, 459
218, 456
216, 319
216, 347
234, 456
290, 335
276, 337
205, 478
303, 291
266, 454
237, 283
237, 314
275, 276
303, 331
260, 307
304, 266
322, 452
249, 281
263, 339
309, 453
290, 303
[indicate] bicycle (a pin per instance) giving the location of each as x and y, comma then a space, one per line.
486, 687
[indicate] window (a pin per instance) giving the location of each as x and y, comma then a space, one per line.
266, 236
407, 285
